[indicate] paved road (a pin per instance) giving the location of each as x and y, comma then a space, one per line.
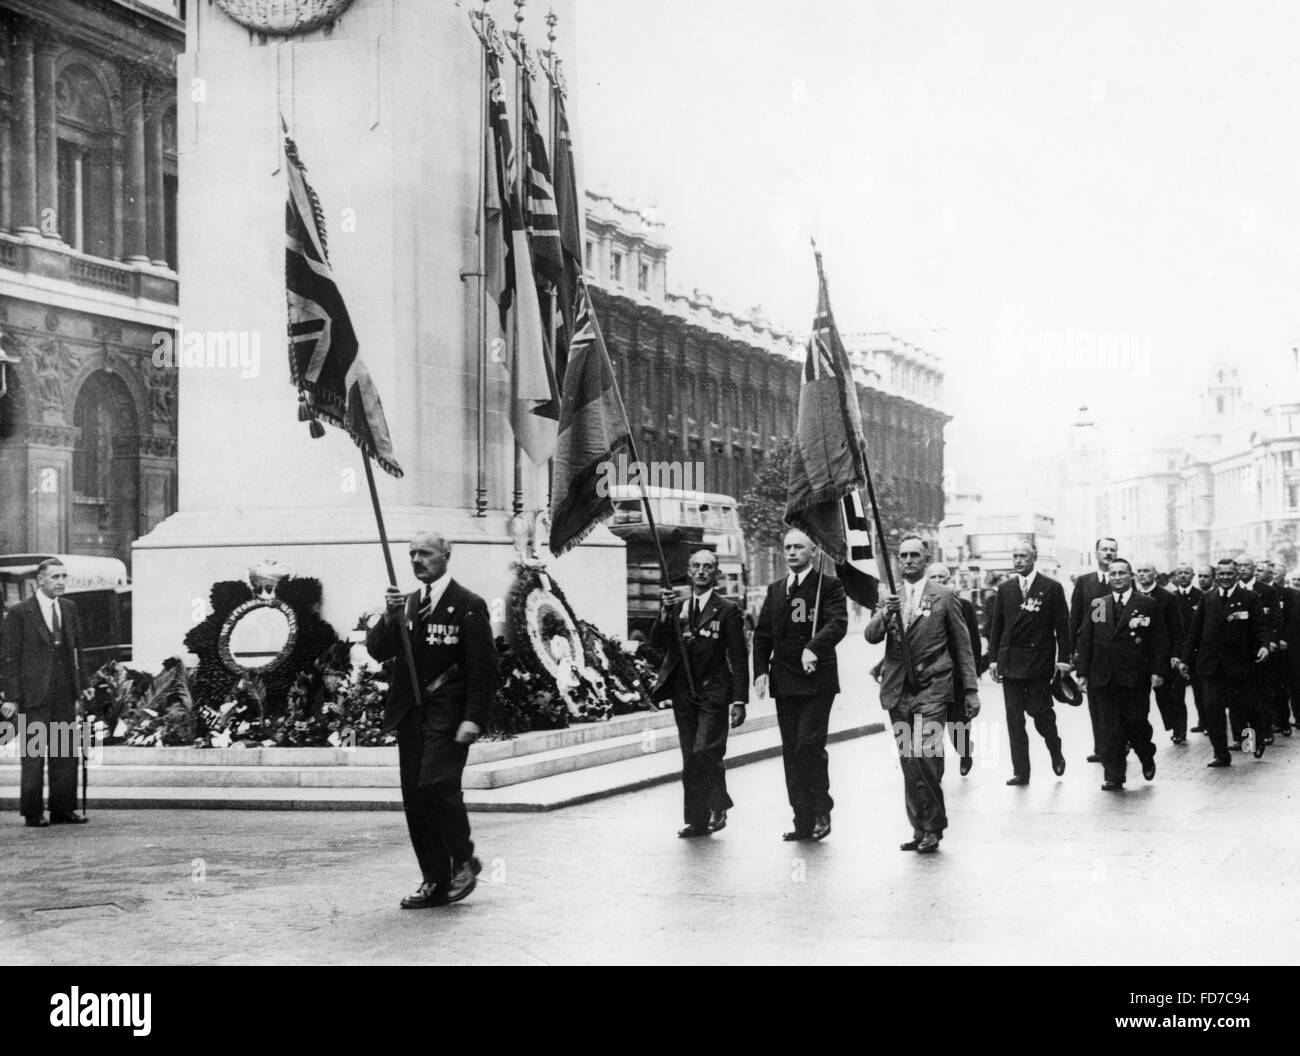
1198, 866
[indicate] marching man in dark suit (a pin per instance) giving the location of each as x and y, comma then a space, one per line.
1087, 587
794, 655
1123, 652
959, 727
1187, 596
1171, 705
1256, 711
1228, 642
1289, 649
1029, 640
40, 678
713, 632
456, 662
917, 683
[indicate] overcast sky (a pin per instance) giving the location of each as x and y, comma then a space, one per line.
1074, 203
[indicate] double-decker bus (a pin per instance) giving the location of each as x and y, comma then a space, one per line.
683, 519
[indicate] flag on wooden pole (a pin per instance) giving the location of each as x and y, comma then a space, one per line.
324, 358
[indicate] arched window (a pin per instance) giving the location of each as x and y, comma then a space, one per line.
85, 181
105, 468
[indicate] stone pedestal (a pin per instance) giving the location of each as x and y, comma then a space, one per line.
384, 109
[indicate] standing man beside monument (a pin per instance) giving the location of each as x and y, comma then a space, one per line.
436, 722
804, 616
1029, 641
40, 679
713, 633
1087, 587
917, 684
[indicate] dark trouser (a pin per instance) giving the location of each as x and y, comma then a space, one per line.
1123, 713
51, 738
960, 728
1171, 699
1280, 711
1094, 716
804, 722
702, 731
1223, 694
918, 733
1032, 697
1251, 706
431, 764
1198, 698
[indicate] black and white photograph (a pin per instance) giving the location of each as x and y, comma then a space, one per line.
651, 482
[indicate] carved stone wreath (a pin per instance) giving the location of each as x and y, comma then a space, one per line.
283, 17
227, 628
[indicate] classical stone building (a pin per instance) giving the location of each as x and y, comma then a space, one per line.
706, 385
87, 271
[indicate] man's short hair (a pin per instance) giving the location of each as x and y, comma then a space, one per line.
702, 550
1226, 561
1022, 541
1117, 559
925, 546
48, 563
1106, 539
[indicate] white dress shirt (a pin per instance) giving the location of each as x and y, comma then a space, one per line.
793, 580
1027, 581
702, 599
431, 594
47, 609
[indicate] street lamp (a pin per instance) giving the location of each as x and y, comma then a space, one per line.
6, 360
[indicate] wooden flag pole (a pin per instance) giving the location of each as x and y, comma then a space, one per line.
480, 490
817, 603
889, 578
411, 672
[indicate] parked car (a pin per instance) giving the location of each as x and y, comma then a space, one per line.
100, 589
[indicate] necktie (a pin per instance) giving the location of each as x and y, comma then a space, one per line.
1024, 586
54, 618
695, 613
425, 610
791, 586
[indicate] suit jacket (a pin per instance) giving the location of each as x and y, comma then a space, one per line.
27, 654
1087, 587
1226, 635
1123, 648
1270, 606
1027, 636
716, 651
785, 630
1172, 613
973, 630
940, 648
457, 634
1186, 604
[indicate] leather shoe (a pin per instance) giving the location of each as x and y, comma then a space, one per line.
1094, 758
1219, 761
1113, 786
1235, 746
1149, 770
797, 833
911, 844
426, 895
1286, 731
1197, 729
717, 820
70, 817
37, 822
1260, 745
1058, 764
1017, 780
821, 827
1179, 738
929, 843
966, 763
693, 830
464, 878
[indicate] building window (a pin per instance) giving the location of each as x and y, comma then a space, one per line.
169, 216
643, 277
590, 256
73, 174
1218, 405
1293, 496
616, 267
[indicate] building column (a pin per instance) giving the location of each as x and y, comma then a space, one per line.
23, 210
134, 189
116, 160
6, 175
156, 239
47, 139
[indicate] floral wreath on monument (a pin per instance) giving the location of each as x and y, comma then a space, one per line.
558, 668
218, 679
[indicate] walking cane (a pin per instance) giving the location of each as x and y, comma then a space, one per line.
85, 768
